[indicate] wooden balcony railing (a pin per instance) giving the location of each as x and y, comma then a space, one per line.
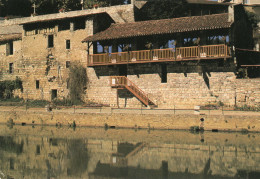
124, 82
171, 54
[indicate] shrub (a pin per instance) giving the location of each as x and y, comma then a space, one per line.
8, 86
77, 83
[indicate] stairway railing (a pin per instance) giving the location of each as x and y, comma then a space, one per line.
124, 82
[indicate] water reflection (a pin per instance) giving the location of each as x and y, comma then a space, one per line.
27, 152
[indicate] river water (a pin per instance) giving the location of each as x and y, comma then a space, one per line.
51, 152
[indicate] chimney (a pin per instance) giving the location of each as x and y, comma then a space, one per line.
231, 13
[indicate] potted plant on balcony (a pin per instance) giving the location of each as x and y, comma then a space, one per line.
61, 10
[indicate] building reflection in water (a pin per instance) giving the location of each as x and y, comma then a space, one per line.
49, 152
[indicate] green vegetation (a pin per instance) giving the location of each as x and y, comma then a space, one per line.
247, 108
7, 88
14, 8
77, 83
163, 9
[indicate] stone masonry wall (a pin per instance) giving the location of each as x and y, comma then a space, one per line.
48, 65
186, 86
248, 92
33, 60
6, 60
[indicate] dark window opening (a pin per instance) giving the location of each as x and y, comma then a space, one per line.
65, 25
67, 44
37, 84
80, 24
164, 73
221, 63
67, 64
11, 68
9, 48
54, 94
38, 150
123, 70
50, 41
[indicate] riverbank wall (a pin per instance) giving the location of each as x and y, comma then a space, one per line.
147, 119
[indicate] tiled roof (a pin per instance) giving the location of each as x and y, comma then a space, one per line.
7, 37
165, 26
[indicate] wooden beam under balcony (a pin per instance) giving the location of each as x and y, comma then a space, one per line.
207, 52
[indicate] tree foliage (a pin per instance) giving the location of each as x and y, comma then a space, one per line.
162, 9
25, 7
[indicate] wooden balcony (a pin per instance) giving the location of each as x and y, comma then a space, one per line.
161, 55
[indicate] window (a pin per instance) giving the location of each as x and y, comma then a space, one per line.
9, 48
164, 73
67, 44
11, 68
79, 24
37, 84
38, 149
50, 41
67, 64
64, 25
54, 94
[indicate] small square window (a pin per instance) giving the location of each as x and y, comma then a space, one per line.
67, 44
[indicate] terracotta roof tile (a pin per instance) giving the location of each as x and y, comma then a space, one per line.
165, 26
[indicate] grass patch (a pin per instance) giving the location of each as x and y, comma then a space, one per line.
36, 103
66, 102
247, 108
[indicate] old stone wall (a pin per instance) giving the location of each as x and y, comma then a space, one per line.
186, 86
34, 61
5, 60
247, 92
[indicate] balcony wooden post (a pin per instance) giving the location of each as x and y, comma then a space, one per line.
198, 51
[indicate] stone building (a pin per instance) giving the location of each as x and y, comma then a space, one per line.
42, 52
10, 51
177, 62
165, 63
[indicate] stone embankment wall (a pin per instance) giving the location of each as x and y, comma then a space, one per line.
186, 86
129, 120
